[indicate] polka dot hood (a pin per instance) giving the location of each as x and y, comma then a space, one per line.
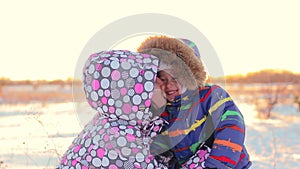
119, 84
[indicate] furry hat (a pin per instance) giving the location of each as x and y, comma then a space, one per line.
182, 51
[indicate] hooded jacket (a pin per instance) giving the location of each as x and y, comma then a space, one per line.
118, 84
206, 129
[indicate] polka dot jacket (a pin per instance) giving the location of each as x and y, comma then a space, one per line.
119, 84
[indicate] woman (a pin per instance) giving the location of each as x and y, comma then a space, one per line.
205, 127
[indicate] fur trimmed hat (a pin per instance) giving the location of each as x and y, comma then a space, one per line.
182, 51
175, 66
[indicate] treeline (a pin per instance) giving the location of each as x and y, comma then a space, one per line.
265, 76
6, 81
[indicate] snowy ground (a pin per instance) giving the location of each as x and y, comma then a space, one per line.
36, 135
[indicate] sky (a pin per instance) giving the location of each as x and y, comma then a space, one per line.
43, 39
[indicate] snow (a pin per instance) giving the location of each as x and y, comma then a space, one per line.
35, 135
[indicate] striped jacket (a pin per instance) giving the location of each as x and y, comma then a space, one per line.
213, 137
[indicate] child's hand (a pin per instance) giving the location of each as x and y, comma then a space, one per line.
158, 99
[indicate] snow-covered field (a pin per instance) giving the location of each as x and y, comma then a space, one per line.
36, 135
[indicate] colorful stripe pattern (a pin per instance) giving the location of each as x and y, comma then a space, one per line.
186, 128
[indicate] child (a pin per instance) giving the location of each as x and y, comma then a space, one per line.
206, 129
122, 86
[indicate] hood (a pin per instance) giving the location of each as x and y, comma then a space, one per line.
181, 50
119, 84
175, 66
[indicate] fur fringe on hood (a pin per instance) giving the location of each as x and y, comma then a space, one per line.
182, 51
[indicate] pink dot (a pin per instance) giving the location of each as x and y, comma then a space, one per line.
112, 167
94, 104
111, 109
98, 67
137, 165
135, 108
139, 88
106, 138
84, 167
123, 91
115, 75
74, 162
104, 100
77, 148
88, 158
94, 55
109, 146
147, 160
135, 150
130, 138
156, 128
104, 121
147, 103
192, 166
64, 160
126, 108
145, 55
100, 152
131, 57
95, 84
107, 93
101, 131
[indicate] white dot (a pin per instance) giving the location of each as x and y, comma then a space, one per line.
126, 65
91, 69
149, 75
96, 139
140, 157
118, 103
112, 154
100, 92
105, 72
87, 142
105, 162
139, 114
120, 83
144, 95
134, 72
93, 153
96, 162
126, 99
147, 60
105, 109
114, 64
94, 96
96, 75
104, 83
129, 131
136, 99
126, 151
111, 102
121, 141
82, 151
149, 86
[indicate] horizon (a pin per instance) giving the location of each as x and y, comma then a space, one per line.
72, 78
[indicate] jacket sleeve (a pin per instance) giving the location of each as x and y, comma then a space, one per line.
229, 130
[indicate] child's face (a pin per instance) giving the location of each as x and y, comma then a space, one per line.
169, 85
